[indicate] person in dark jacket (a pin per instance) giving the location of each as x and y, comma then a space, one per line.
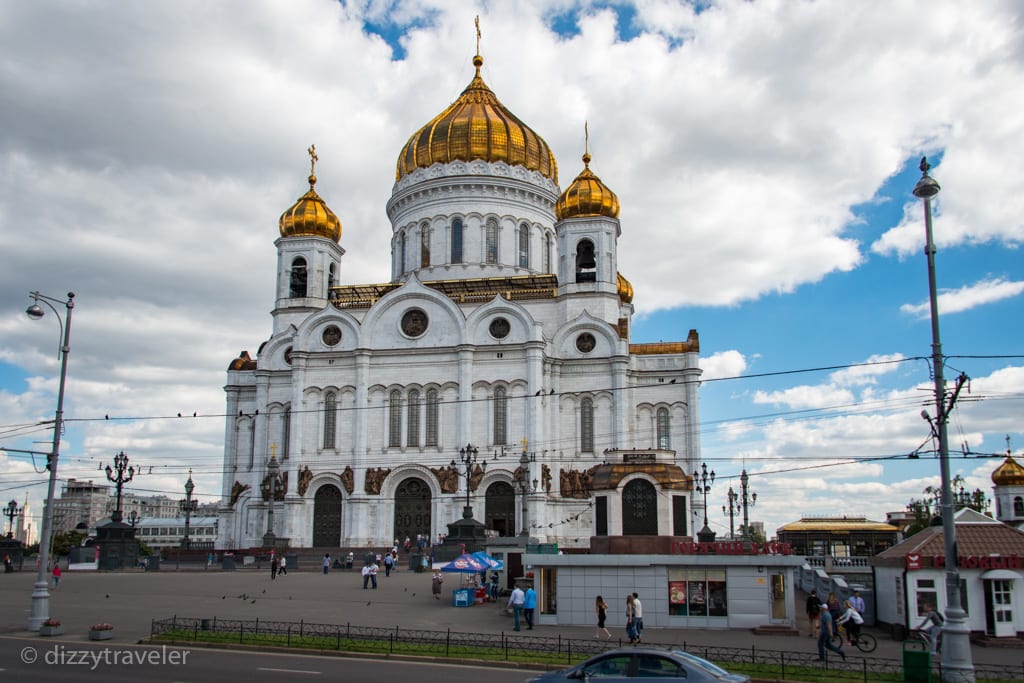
813, 613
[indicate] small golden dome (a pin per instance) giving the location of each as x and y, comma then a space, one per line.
625, 289
310, 216
1010, 473
587, 196
477, 126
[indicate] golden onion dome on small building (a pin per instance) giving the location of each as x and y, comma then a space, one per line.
1010, 473
310, 216
477, 126
625, 289
587, 196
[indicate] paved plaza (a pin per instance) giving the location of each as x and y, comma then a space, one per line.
131, 600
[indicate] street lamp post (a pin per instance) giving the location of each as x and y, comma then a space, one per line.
10, 512
731, 510
40, 610
703, 480
957, 664
523, 483
133, 518
188, 506
467, 456
119, 480
747, 500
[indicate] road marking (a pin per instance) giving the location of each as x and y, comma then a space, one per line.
288, 671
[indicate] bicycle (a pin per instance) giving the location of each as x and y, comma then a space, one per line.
865, 642
926, 638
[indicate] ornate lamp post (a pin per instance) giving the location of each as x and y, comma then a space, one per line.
731, 509
10, 512
747, 500
133, 518
467, 456
269, 539
40, 610
523, 484
702, 481
957, 664
188, 506
119, 480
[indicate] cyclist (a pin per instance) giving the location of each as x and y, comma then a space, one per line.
852, 621
932, 625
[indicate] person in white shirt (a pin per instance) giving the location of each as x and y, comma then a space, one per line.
638, 616
857, 602
515, 601
852, 621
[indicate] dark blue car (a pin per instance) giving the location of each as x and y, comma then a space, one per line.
636, 662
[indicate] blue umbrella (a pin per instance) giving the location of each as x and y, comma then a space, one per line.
465, 564
488, 560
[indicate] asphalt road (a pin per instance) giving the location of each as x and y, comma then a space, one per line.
29, 659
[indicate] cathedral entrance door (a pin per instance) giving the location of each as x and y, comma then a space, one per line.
327, 517
412, 509
500, 509
639, 509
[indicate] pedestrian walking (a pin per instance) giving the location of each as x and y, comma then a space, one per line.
529, 606
825, 634
630, 624
435, 584
515, 603
813, 608
327, 562
638, 617
389, 562
273, 567
601, 607
56, 575
283, 569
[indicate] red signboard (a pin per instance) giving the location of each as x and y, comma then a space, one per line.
732, 548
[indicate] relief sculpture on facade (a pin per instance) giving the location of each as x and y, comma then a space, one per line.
348, 479
545, 478
375, 479
305, 477
447, 478
475, 477
576, 483
236, 490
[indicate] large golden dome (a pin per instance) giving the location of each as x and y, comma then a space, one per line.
587, 196
477, 126
310, 216
1010, 473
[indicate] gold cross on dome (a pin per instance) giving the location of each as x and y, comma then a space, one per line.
477, 22
524, 442
273, 451
313, 158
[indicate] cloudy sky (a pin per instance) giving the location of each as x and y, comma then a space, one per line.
764, 154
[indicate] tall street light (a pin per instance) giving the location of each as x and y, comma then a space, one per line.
467, 456
747, 500
40, 610
119, 475
956, 646
731, 510
189, 506
10, 512
702, 480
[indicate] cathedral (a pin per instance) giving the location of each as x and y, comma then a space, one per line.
492, 377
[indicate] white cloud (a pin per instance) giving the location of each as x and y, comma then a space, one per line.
968, 297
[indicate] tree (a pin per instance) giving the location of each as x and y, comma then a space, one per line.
926, 509
64, 542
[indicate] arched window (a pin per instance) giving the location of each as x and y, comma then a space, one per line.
413, 428
587, 425
432, 418
424, 246
297, 279
500, 416
286, 432
332, 278
524, 245
401, 254
330, 420
491, 241
547, 253
395, 420
1018, 507
664, 441
457, 240
586, 263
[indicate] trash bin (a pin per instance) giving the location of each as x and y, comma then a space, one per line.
227, 563
917, 662
461, 597
416, 562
